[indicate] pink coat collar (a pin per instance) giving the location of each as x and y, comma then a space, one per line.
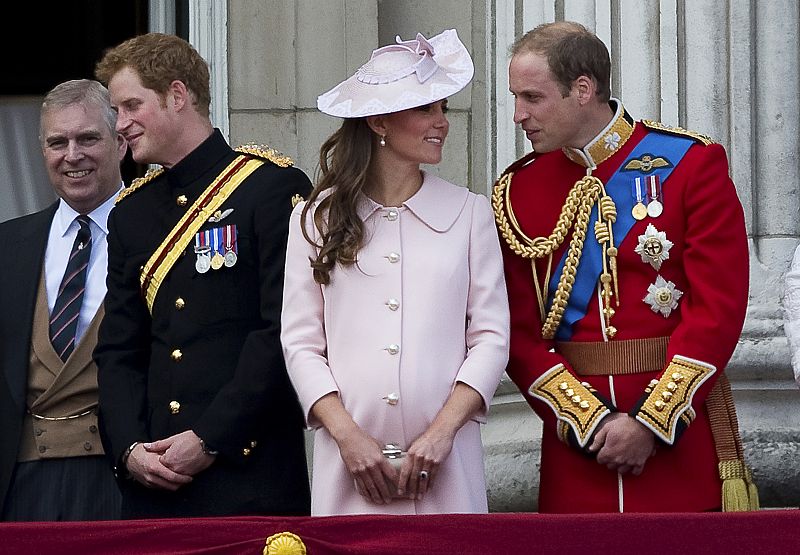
438, 203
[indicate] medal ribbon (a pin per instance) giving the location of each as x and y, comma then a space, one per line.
639, 195
654, 187
590, 265
163, 259
230, 238
218, 249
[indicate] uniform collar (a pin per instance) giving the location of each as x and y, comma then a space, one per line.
437, 204
607, 142
195, 164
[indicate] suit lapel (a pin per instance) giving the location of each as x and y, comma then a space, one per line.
28, 243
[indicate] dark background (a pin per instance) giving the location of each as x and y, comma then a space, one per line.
46, 43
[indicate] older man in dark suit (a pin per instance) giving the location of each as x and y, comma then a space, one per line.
52, 285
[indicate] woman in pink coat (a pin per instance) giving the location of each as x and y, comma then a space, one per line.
395, 317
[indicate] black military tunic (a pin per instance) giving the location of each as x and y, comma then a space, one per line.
209, 358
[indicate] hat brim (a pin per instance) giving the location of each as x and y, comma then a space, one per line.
354, 98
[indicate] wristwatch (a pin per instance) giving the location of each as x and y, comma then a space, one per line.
122, 469
206, 450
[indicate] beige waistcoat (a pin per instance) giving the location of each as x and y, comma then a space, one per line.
58, 389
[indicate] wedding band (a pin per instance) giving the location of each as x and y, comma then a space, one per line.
423, 474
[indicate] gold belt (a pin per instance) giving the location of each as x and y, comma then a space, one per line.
613, 358
59, 418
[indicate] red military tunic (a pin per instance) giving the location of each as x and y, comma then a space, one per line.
707, 261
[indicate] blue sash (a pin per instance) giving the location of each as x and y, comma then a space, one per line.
590, 265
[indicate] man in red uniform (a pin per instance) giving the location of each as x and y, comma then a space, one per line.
627, 267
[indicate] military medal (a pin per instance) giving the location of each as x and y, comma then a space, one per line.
229, 235
653, 246
217, 260
203, 263
662, 296
201, 249
639, 210
654, 207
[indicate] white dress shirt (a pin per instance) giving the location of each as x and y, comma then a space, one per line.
63, 230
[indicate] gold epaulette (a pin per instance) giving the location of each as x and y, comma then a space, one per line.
571, 400
266, 153
679, 131
671, 396
138, 183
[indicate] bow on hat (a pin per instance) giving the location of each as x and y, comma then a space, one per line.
424, 68
402, 76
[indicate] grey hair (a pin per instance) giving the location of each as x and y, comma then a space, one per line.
84, 92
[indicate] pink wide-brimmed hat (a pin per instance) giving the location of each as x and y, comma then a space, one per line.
400, 76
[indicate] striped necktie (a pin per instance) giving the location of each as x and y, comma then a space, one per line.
64, 318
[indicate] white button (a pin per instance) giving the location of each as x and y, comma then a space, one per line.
393, 304
393, 257
392, 215
392, 398
393, 349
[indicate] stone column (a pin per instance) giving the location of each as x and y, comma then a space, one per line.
282, 55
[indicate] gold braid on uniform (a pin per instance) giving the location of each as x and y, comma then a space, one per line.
138, 183
259, 151
267, 153
575, 214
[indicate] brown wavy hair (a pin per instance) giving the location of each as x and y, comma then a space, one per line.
344, 161
571, 51
158, 60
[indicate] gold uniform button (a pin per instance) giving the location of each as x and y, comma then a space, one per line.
174, 407
246, 452
181, 200
180, 303
176, 355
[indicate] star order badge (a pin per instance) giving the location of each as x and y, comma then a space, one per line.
663, 296
653, 246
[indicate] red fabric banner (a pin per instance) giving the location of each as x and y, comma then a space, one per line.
762, 532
